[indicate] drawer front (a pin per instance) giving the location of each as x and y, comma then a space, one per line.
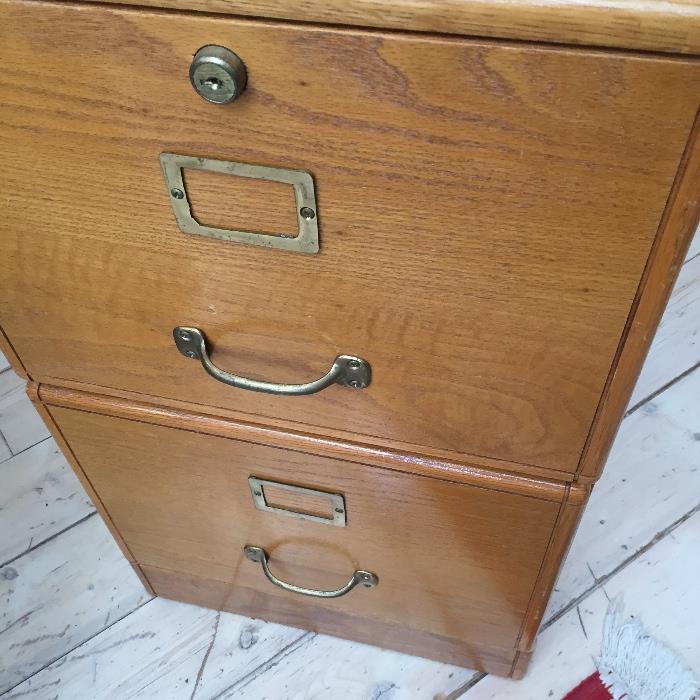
455, 563
485, 213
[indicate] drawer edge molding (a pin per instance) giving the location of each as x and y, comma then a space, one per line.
283, 427
542, 489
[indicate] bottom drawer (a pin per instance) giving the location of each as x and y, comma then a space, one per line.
456, 565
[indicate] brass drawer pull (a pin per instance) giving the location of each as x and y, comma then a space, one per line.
258, 554
347, 370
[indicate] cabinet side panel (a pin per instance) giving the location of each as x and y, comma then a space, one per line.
564, 529
678, 223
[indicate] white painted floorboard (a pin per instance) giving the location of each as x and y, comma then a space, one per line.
660, 588
327, 667
651, 480
40, 496
5, 452
58, 595
158, 652
20, 424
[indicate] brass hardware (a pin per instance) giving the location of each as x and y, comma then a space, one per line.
259, 555
217, 74
304, 240
336, 501
347, 370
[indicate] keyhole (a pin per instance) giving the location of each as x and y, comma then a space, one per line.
212, 83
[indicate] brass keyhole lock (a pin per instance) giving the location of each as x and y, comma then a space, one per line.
217, 74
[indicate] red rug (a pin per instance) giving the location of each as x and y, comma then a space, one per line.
590, 689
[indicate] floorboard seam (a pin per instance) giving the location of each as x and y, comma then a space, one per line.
459, 692
206, 656
30, 447
305, 638
48, 539
3, 439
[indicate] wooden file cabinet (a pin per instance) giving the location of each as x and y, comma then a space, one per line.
476, 235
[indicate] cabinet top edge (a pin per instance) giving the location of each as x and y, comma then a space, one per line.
665, 26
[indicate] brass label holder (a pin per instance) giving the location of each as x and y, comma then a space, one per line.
305, 240
336, 501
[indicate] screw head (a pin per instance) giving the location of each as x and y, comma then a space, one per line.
355, 384
191, 353
184, 335
307, 213
177, 193
339, 510
354, 364
258, 493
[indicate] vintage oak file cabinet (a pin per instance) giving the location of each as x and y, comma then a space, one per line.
451, 226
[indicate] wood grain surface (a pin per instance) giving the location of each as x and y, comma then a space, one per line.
453, 561
486, 213
656, 25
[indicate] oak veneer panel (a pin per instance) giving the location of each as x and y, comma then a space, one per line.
486, 213
659, 25
454, 561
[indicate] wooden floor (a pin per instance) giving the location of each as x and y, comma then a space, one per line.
76, 623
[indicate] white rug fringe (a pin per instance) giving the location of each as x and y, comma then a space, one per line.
635, 666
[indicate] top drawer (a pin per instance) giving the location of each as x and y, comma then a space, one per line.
485, 213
